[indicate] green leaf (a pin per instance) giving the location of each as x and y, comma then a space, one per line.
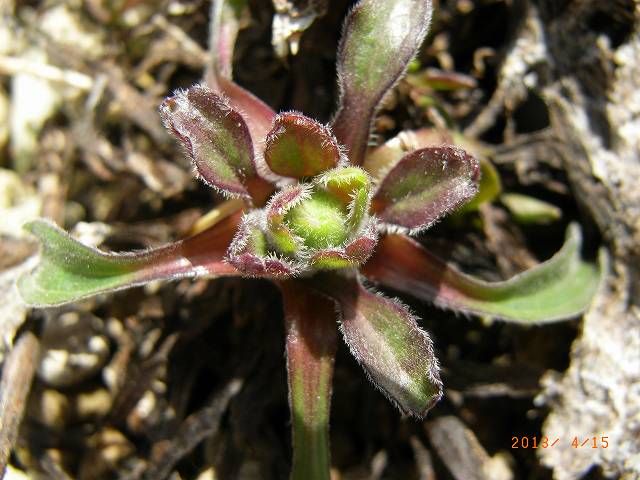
279, 235
380, 39
425, 185
527, 210
311, 344
298, 146
432, 78
353, 254
319, 221
557, 289
385, 339
352, 186
69, 271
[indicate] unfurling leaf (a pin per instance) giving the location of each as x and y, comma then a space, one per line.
353, 254
559, 288
425, 185
216, 138
351, 186
249, 251
70, 271
299, 146
311, 347
380, 39
385, 339
321, 225
278, 233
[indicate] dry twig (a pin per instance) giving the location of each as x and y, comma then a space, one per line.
17, 374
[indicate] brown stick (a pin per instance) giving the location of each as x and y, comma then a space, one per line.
17, 375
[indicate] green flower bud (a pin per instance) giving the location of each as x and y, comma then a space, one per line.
320, 221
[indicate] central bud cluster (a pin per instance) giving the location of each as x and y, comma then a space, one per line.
319, 224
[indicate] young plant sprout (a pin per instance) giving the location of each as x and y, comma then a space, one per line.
317, 223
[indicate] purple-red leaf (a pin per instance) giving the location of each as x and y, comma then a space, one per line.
226, 18
385, 339
257, 114
311, 347
225, 23
259, 118
361, 248
69, 271
559, 288
425, 185
383, 158
252, 265
216, 137
380, 39
298, 146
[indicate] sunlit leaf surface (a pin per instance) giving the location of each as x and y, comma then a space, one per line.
69, 270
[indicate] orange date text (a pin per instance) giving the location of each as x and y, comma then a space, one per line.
577, 441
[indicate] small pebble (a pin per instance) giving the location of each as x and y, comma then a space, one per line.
73, 349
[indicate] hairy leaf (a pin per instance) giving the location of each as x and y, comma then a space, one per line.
383, 158
249, 251
226, 19
257, 115
489, 187
559, 288
70, 271
278, 232
311, 347
385, 339
319, 220
351, 186
344, 182
380, 38
332, 259
425, 185
216, 137
298, 146
360, 249
353, 254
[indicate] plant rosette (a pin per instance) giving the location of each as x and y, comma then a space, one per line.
313, 220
